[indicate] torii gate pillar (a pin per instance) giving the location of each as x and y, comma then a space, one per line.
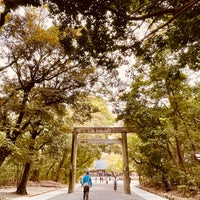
72, 173
127, 189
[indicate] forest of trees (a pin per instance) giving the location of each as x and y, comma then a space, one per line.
59, 64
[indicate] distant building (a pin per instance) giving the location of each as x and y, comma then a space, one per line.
100, 170
100, 164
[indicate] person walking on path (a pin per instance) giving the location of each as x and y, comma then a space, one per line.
115, 183
86, 184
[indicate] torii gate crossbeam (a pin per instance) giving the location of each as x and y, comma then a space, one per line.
102, 130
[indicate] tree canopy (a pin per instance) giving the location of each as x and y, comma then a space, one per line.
110, 27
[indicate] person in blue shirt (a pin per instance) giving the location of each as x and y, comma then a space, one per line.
86, 184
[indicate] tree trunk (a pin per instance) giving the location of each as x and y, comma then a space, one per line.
49, 171
176, 118
57, 178
166, 182
60, 165
179, 152
4, 153
21, 188
36, 174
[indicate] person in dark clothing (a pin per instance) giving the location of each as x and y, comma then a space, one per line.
115, 183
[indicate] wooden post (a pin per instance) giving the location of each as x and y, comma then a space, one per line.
72, 173
125, 164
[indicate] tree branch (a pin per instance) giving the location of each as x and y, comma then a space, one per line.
180, 11
173, 11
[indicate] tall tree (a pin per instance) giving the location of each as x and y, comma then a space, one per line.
159, 106
42, 75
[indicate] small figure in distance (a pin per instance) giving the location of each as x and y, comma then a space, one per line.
115, 183
86, 184
106, 179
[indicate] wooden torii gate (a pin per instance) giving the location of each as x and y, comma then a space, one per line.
102, 130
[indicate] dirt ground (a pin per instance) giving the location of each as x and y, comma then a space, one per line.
172, 195
8, 193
